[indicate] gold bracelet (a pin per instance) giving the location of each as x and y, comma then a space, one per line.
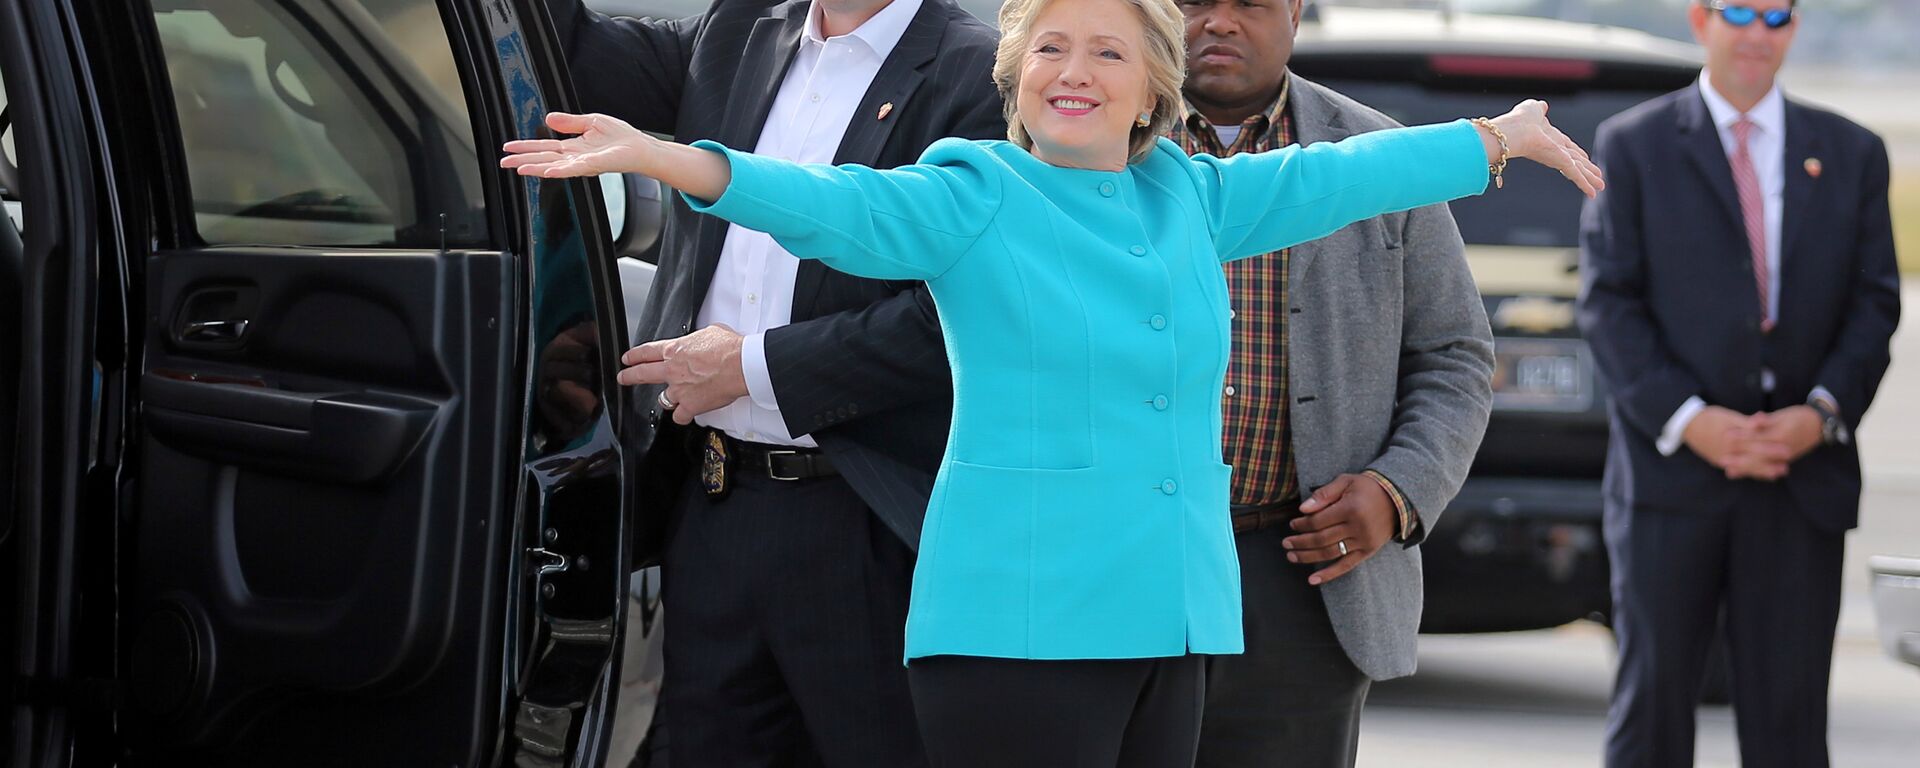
1500, 167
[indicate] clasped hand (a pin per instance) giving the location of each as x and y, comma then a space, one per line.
1760, 446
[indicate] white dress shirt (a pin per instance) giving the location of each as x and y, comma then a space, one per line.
1767, 145
752, 288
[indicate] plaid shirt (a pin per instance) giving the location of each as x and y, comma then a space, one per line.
1256, 389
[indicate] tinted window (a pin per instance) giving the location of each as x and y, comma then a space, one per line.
9, 163
6, 130
985, 10
1537, 207
322, 122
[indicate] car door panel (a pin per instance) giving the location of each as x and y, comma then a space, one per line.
310, 494
378, 484
372, 505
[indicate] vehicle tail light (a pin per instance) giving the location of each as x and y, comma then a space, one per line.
1461, 65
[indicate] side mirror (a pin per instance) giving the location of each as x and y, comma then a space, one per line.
634, 213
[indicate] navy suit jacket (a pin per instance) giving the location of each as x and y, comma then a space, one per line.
1669, 304
862, 368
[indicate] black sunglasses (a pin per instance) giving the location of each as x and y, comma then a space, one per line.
1740, 15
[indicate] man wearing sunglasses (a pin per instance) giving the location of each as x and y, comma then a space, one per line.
1740, 292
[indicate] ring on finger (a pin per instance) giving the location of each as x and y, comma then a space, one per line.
1343, 547
664, 402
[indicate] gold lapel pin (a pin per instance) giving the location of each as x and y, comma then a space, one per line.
885, 109
1813, 167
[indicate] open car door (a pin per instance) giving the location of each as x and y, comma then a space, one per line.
328, 468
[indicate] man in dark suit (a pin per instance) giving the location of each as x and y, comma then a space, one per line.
808, 409
1362, 372
1739, 291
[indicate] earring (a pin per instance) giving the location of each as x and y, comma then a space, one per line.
1145, 119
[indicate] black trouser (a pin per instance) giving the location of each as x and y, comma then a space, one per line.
1778, 579
1098, 713
1294, 698
786, 607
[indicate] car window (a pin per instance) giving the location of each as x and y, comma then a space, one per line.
613, 193
322, 122
1537, 208
9, 161
985, 10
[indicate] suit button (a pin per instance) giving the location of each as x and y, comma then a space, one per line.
1159, 322
1138, 250
1230, 390
1106, 189
1167, 487
1160, 402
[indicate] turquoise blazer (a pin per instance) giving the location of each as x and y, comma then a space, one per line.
1081, 509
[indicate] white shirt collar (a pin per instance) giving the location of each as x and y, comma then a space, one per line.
1770, 115
881, 32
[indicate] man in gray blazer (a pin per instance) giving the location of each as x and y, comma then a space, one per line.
1361, 370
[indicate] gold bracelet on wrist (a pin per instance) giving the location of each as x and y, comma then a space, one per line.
1500, 167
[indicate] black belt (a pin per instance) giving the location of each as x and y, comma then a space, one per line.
777, 462
1253, 517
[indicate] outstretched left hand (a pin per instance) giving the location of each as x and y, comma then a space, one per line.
1530, 135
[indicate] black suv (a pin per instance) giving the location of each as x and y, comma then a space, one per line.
313, 450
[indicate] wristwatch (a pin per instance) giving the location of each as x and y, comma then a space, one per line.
1833, 429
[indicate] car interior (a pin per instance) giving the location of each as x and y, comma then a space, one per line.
328, 309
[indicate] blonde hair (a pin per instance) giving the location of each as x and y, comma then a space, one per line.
1165, 55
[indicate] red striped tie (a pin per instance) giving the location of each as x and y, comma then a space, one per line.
1747, 183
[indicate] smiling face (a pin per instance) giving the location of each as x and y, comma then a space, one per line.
1084, 83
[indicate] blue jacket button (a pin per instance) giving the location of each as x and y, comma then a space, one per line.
1160, 402
1106, 189
1167, 487
1159, 322
1138, 250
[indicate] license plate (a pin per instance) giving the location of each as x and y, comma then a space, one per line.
1541, 375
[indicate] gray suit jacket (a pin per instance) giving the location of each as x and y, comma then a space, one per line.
1391, 368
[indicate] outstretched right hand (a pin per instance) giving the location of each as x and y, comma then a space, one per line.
609, 145
604, 145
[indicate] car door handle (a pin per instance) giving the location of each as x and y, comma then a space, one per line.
214, 331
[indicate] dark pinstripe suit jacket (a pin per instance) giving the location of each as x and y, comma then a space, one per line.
862, 368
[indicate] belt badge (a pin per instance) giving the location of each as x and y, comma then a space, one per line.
713, 466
